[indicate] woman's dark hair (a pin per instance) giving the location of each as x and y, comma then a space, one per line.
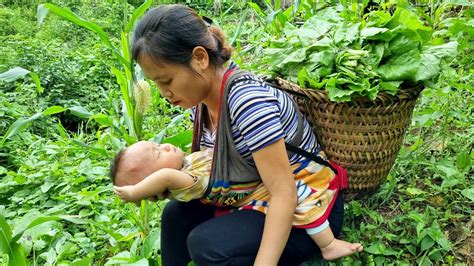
171, 32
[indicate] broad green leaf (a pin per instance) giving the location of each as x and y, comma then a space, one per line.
41, 12
448, 171
297, 56
102, 119
23, 123
242, 19
335, 93
307, 80
468, 193
18, 72
80, 111
408, 19
93, 149
419, 228
36, 221
133, 249
151, 243
141, 262
67, 14
463, 161
379, 260
43, 219
390, 252
136, 15
49, 256
8, 246
424, 261
446, 50
430, 60
5, 236
412, 249
391, 87
378, 18
415, 191
36, 79
256, 8
426, 243
314, 30
438, 236
17, 255
20, 124
120, 258
82, 262
13, 74
435, 255
401, 67
182, 140
346, 33
374, 33
376, 249
126, 54
53, 110
450, 182
429, 67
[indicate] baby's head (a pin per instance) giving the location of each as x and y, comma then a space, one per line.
131, 165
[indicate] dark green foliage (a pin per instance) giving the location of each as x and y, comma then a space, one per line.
55, 172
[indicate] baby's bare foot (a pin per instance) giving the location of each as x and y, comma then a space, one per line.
339, 248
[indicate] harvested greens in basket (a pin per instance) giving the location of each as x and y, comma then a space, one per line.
357, 58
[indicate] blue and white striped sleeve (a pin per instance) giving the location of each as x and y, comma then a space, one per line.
255, 112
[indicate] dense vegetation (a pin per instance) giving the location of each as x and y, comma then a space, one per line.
62, 122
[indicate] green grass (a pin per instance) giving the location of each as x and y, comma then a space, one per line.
421, 215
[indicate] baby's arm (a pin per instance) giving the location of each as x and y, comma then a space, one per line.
156, 183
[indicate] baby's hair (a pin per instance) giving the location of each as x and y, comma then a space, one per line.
115, 164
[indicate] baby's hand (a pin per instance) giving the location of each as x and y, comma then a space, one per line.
126, 193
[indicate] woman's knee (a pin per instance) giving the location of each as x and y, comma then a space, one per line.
203, 250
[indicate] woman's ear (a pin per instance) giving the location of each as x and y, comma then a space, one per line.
200, 58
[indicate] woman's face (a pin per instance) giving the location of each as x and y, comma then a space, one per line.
178, 83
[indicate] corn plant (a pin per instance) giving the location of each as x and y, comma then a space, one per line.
132, 114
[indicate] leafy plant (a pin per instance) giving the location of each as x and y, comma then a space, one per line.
352, 59
132, 115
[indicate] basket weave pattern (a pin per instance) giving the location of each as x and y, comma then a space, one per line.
363, 136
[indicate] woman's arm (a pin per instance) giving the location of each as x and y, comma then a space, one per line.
154, 184
274, 168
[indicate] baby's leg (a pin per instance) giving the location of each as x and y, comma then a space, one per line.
332, 248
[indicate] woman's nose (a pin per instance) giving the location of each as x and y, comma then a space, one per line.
164, 92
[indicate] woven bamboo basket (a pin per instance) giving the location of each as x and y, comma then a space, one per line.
363, 136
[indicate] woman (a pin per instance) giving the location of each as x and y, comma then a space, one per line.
186, 57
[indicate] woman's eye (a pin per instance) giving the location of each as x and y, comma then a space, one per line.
166, 82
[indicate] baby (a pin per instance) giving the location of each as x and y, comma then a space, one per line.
146, 169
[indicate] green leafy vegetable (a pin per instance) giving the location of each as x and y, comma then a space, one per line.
380, 53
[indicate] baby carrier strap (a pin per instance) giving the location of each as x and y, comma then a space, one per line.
228, 164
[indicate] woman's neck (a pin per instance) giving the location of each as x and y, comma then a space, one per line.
212, 99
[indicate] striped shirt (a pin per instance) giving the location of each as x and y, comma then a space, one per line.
260, 115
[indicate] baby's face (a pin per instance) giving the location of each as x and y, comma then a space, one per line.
145, 157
